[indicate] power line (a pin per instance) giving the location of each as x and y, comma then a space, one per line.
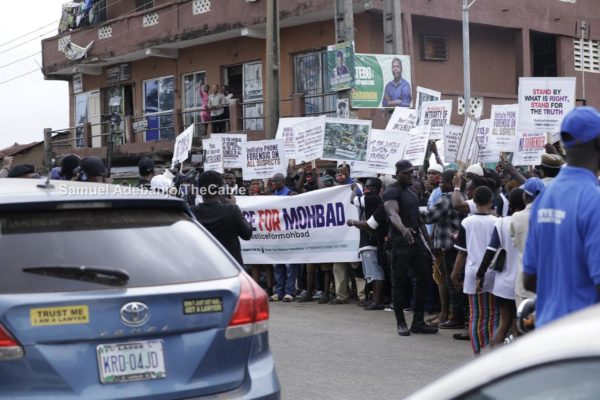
20, 59
27, 41
28, 33
20, 76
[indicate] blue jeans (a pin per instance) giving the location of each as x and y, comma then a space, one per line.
285, 279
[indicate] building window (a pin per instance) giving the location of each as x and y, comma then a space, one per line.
310, 71
159, 103
81, 114
587, 55
192, 84
434, 48
141, 5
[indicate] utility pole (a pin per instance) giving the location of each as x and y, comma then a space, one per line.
344, 30
466, 55
392, 27
584, 35
272, 72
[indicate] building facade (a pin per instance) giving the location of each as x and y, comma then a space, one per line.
147, 59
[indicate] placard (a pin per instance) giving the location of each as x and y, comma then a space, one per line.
213, 155
308, 138
183, 145
529, 149
423, 95
385, 149
488, 146
263, 159
418, 140
402, 120
346, 139
543, 103
434, 116
504, 126
452, 135
232, 148
285, 131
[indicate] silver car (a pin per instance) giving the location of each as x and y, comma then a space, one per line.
558, 362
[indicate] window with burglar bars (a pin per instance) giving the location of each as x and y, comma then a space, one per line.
587, 55
434, 48
310, 72
141, 5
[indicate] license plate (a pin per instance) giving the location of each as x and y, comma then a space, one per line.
132, 361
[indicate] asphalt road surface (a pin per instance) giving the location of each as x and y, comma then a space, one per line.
343, 352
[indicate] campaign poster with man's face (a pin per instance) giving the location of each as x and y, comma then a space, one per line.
381, 80
340, 66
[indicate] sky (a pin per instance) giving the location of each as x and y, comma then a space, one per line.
29, 104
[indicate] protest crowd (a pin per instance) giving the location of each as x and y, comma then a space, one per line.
454, 248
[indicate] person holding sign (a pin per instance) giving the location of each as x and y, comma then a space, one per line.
561, 262
397, 92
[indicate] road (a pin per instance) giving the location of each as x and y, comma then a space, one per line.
343, 352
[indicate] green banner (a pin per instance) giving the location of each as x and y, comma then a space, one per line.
340, 66
381, 80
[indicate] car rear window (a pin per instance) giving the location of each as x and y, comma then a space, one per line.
153, 246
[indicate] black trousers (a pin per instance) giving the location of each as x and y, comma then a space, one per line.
456, 296
416, 259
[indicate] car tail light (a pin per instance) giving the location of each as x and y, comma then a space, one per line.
10, 349
251, 315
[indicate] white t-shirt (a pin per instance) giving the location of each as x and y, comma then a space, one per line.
504, 282
472, 206
474, 236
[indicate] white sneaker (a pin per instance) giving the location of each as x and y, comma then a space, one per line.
288, 298
275, 297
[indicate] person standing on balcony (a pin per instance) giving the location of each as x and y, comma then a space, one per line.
205, 113
216, 101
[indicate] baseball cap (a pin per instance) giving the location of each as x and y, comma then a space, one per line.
146, 166
475, 169
436, 168
404, 166
582, 124
93, 166
533, 186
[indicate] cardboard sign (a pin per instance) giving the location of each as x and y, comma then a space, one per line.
183, 145
346, 139
385, 149
232, 148
402, 120
263, 159
434, 116
213, 155
504, 126
308, 139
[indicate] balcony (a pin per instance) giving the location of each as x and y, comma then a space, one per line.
163, 30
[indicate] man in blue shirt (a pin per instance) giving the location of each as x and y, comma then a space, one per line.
561, 262
397, 92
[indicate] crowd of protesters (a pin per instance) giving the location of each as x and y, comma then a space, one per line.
453, 249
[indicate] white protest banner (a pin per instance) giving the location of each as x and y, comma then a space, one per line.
418, 140
423, 95
488, 147
263, 159
385, 149
183, 145
232, 148
307, 228
434, 116
213, 155
346, 139
308, 138
529, 149
543, 103
285, 131
403, 120
504, 126
468, 139
451, 141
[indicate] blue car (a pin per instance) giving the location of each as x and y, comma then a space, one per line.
106, 294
